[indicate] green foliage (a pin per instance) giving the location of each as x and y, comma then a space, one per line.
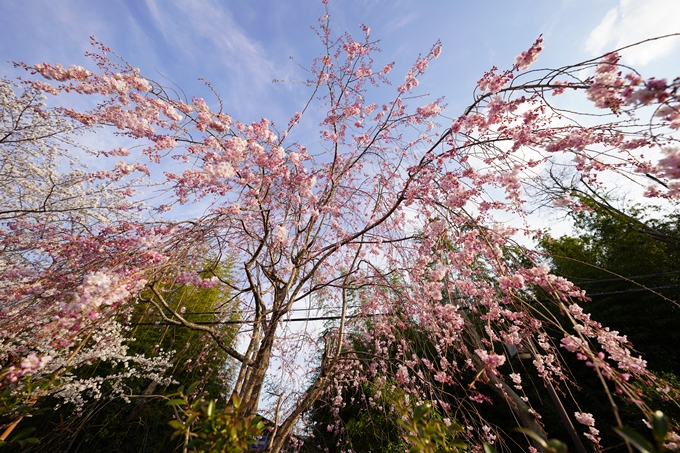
389, 425
427, 433
629, 266
550, 446
21, 439
140, 425
660, 429
18, 404
367, 428
207, 429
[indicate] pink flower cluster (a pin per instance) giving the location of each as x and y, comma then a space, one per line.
491, 361
529, 56
493, 82
195, 279
605, 89
99, 289
670, 114
29, 365
402, 375
587, 419
610, 90
669, 166
421, 64
653, 91
429, 110
614, 344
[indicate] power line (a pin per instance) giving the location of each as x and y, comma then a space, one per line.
635, 290
214, 312
311, 318
335, 318
635, 277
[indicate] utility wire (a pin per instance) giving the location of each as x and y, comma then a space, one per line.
635, 277
585, 282
334, 318
311, 318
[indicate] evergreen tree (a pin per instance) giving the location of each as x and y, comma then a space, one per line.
140, 424
629, 265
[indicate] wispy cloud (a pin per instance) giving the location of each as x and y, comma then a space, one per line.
400, 21
205, 31
633, 21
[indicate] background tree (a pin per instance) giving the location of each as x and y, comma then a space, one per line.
139, 422
40, 176
627, 262
63, 232
630, 275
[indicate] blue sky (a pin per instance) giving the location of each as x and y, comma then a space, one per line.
241, 45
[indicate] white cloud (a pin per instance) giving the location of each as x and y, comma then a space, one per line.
206, 35
400, 21
188, 23
602, 34
633, 21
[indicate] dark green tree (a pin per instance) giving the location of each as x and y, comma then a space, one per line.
140, 424
629, 265
628, 262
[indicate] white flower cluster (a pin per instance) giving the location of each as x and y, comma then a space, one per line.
41, 177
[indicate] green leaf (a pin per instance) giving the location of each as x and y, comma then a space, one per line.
176, 402
192, 387
235, 400
31, 440
195, 443
455, 427
533, 435
457, 443
636, 439
557, 446
176, 424
22, 434
659, 426
489, 449
420, 411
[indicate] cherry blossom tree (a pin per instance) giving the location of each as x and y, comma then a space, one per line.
387, 215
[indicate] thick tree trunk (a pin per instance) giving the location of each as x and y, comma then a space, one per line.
505, 391
253, 381
518, 407
277, 442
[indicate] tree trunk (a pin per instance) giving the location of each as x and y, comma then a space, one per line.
519, 407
